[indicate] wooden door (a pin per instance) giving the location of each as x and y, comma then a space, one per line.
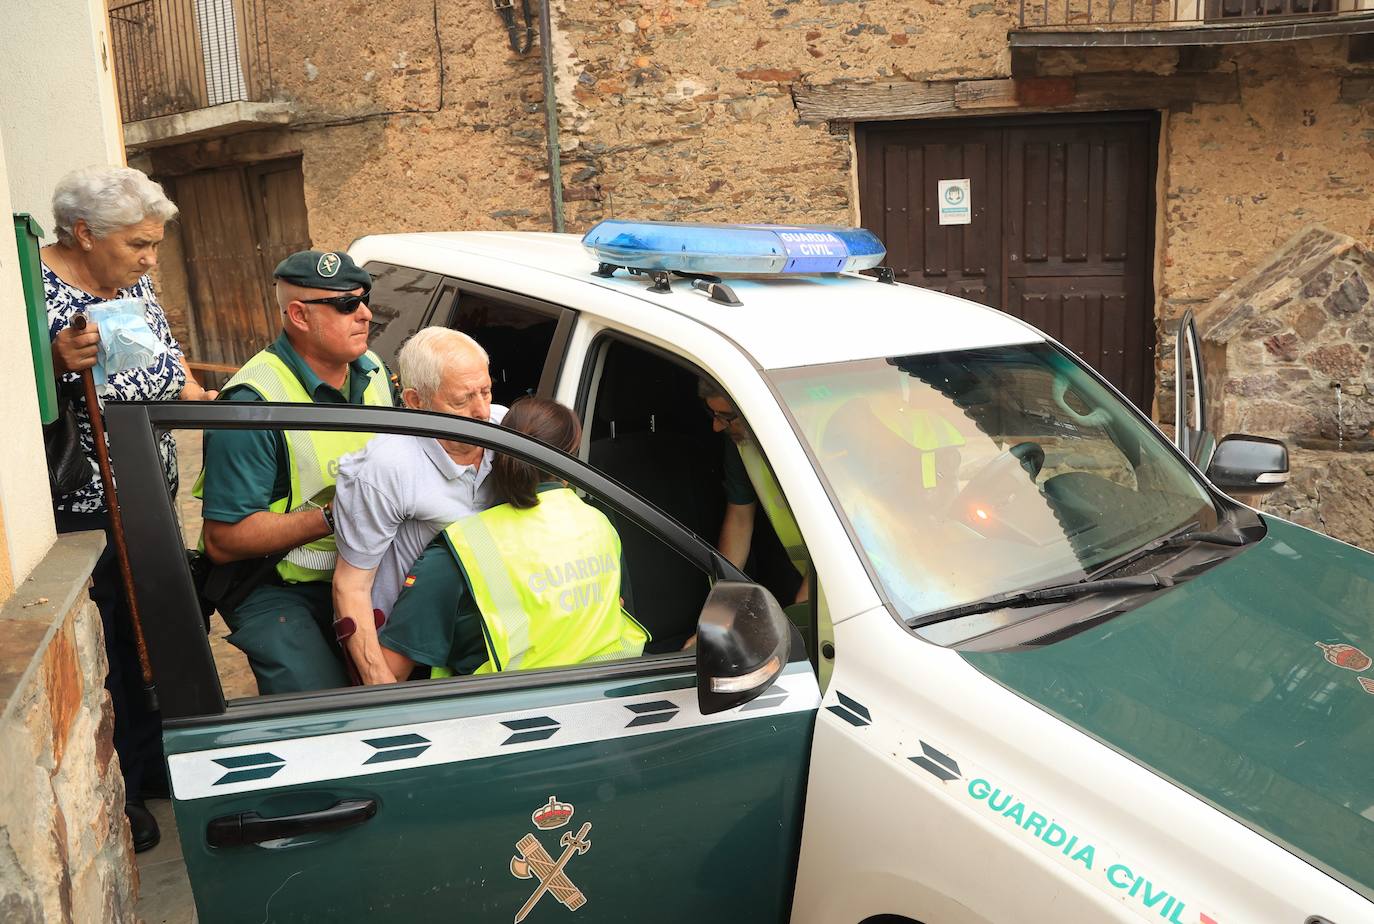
278, 191
1061, 227
1079, 230
237, 224
901, 207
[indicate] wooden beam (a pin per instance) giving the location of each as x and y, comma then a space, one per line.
850, 102
984, 94
858, 102
197, 366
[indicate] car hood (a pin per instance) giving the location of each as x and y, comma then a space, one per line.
1251, 686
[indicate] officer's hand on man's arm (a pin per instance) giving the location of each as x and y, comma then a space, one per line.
353, 600
241, 481
263, 533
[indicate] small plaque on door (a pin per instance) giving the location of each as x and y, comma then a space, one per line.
955, 202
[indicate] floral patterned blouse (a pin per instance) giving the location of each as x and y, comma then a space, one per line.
162, 381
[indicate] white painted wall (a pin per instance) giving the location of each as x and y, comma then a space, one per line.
24, 496
58, 111
58, 108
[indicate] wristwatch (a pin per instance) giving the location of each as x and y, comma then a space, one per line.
328, 510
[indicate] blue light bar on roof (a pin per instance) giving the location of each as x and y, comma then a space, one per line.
719, 250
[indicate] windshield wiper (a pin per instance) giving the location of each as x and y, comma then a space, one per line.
1051, 594
1226, 533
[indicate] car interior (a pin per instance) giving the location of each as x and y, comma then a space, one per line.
647, 428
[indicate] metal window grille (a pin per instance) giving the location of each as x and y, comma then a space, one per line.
179, 55
1094, 14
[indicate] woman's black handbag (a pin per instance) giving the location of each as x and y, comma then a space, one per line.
68, 468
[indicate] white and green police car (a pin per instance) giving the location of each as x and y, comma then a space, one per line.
1039, 667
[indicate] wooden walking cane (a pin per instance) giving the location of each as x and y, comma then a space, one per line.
102, 455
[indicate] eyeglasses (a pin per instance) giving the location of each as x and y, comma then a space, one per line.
343, 304
725, 417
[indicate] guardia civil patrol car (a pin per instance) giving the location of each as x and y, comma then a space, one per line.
1034, 665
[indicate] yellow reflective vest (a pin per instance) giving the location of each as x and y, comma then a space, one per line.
774, 504
926, 432
312, 456
547, 583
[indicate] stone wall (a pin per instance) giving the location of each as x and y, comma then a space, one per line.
1332, 492
396, 136
684, 108
1289, 351
65, 851
1296, 149
1296, 334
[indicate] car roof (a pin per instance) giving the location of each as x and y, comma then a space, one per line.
784, 321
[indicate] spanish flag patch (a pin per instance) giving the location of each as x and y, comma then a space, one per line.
410, 580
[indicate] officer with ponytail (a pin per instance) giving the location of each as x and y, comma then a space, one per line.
534, 582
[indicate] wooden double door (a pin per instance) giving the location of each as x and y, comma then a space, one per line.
1060, 225
237, 223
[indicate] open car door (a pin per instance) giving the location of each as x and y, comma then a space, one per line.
1191, 433
503, 797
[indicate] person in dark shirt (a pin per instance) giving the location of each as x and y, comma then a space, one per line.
749, 481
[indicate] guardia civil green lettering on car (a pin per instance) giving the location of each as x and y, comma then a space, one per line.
1039, 666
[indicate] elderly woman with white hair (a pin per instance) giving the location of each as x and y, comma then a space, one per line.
109, 225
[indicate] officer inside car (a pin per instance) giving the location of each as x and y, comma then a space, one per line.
749, 482
267, 494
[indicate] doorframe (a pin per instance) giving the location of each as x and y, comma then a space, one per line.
860, 131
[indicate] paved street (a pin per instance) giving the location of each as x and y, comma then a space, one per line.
164, 892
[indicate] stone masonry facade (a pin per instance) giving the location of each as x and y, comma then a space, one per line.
673, 109
1289, 356
65, 851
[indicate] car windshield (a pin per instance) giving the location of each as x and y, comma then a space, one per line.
979, 472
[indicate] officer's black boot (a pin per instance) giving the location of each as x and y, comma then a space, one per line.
142, 825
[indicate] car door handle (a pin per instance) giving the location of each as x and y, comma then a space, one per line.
252, 828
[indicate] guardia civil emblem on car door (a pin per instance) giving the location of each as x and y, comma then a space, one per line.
532, 861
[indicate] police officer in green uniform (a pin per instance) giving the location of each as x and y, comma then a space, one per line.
534, 582
267, 493
749, 482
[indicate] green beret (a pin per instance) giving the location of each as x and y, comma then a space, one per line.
314, 269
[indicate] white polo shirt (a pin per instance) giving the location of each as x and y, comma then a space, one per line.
395, 495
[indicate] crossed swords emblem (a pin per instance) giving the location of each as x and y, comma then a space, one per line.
534, 861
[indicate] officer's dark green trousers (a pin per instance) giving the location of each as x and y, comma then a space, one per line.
287, 633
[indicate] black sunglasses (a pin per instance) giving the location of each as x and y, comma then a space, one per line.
343, 304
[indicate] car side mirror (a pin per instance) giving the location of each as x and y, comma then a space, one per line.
743, 637
1249, 464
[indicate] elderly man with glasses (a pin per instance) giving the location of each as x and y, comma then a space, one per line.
267, 495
